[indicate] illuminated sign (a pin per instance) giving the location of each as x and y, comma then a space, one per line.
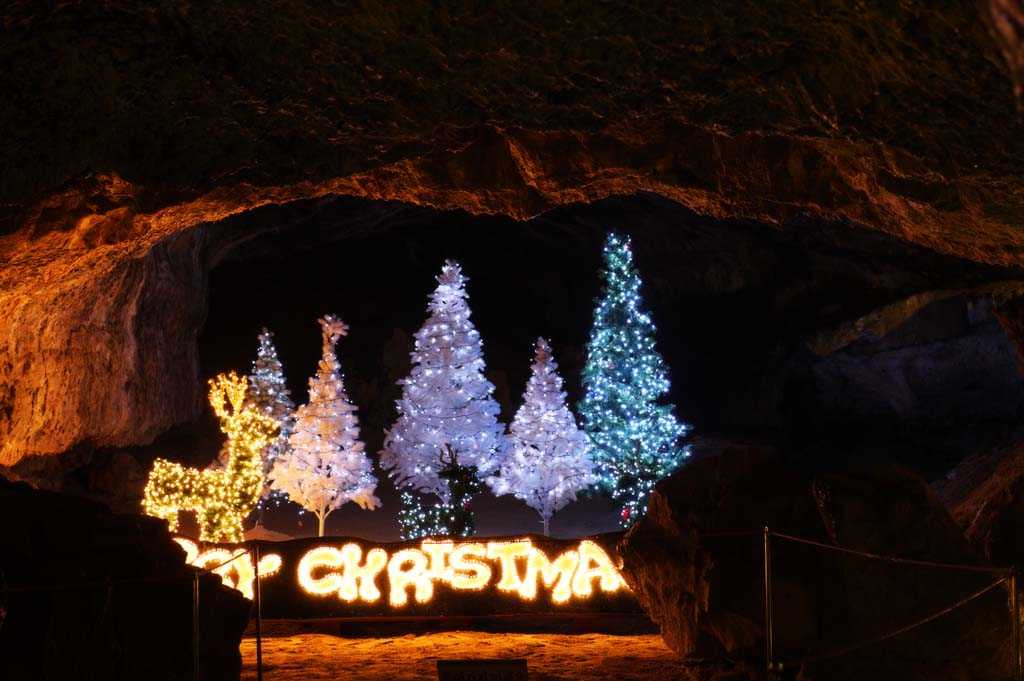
353, 578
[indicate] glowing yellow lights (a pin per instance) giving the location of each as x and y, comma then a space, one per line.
594, 563
506, 553
355, 580
221, 499
321, 557
538, 565
414, 572
325, 570
479, 573
409, 567
234, 567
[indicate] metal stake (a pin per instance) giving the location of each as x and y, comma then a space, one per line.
1015, 624
195, 625
769, 653
259, 632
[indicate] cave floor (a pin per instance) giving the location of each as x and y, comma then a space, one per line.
295, 655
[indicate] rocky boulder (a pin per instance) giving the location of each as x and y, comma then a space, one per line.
696, 564
116, 601
985, 496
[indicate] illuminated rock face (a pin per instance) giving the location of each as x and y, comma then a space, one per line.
103, 284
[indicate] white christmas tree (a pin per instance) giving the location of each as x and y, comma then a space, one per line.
325, 465
548, 461
446, 405
269, 395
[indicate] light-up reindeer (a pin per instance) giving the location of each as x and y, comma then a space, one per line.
221, 499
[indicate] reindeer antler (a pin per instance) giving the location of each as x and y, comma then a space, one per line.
231, 386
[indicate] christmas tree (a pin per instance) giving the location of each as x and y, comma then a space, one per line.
269, 395
446, 409
635, 435
325, 465
548, 461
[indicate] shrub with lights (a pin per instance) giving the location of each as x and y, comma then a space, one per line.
221, 499
447, 407
325, 465
634, 433
548, 461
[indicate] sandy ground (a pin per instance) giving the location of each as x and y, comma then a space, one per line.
291, 656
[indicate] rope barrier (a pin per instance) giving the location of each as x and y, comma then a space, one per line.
893, 559
730, 533
879, 639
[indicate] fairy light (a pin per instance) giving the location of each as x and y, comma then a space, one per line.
234, 567
221, 499
352, 575
356, 581
558, 574
447, 407
410, 567
594, 564
634, 436
506, 553
321, 557
462, 562
326, 570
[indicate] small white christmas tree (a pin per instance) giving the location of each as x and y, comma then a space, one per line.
548, 461
446, 405
269, 395
325, 466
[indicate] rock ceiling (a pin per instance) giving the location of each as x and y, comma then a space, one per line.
132, 130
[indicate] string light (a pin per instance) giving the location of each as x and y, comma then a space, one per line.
234, 567
462, 562
548, 461
635, 438
268, 393
223, 498
409, 567
557, 574
447, 406
326, 570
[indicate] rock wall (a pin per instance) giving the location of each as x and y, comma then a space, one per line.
134, 130
122, 606
696, 564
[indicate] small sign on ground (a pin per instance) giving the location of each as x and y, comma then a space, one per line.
513, 669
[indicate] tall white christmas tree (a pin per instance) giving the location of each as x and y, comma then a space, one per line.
447, 410
269, 395
548, 461
325, 465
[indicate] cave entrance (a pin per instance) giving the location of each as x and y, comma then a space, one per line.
821, 338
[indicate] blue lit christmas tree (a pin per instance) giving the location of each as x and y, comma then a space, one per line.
634, 432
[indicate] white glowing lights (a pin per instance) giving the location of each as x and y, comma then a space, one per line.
413, 572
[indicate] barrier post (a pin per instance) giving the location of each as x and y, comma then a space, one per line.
1015, 624
195, 625
768, 633
256, 594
